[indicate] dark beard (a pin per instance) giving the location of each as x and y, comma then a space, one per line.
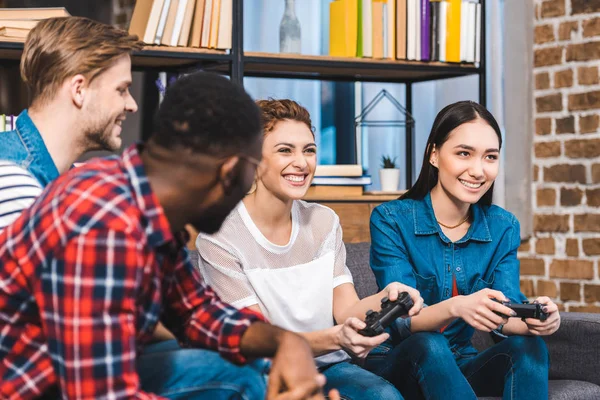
100, 139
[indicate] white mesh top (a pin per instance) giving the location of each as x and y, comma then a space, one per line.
292, 284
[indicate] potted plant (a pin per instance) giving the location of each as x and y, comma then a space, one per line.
389, 175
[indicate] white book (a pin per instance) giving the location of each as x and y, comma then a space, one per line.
384, 26
153, 20
478, 33
367, 28
205, 38
179, 17
464, 20
471, 32
391, 29
417, 8
225, 25
442, 29
162, 22
411, 53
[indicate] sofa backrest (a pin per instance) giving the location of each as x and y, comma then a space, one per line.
357, 260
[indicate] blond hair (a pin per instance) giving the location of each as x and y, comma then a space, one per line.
58, 48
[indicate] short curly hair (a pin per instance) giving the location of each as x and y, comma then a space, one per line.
208, 114
274, 111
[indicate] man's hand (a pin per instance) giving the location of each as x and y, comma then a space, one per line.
395, 288
294, 375
550, 325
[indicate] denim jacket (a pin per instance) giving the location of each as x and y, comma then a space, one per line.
408, 246
25, 147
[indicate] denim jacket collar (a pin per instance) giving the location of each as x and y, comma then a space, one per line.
426, 224
42, 165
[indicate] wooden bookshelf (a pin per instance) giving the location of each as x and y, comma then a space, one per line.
350, 68
365, 198
151, 57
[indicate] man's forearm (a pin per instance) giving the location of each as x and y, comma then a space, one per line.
263, 340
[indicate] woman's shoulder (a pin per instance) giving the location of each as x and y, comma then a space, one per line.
398, 206
229, 231
316, 212
499, 215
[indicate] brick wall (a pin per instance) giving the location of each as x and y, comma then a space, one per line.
561, 260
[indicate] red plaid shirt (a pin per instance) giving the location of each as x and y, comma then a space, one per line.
86, 274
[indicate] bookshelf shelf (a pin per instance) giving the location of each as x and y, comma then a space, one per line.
350, 69
157, 57
365, 198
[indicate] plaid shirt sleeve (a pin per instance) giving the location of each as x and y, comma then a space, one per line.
87, 302
208, 322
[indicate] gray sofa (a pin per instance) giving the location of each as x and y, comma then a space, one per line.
574, 348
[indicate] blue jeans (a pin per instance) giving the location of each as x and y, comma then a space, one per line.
423, 366
168, 370
354, 383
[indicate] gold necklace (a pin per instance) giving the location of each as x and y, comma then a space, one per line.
454, 226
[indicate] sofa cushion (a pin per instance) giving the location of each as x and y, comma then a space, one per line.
567, 390
574, 348
357, 260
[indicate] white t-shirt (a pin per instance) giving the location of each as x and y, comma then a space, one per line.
18, 191
292, 284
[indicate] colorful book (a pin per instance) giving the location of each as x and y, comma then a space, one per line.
478, 33
342, 180
33, 13
214, 24
334, 191
401, 29
343, 28
425, 30
339, 170
378, 28
443, 30
170, 24
196, 34
162, 21
205, 38
186, 28
140, 18
20, 33
434, 29
366, 32
453, 31
225, 24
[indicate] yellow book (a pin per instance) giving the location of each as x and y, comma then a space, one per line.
351, 25
343, 28
337, 43
453, 31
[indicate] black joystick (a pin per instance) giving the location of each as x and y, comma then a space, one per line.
377, 322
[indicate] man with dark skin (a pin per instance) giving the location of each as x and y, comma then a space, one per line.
99, 260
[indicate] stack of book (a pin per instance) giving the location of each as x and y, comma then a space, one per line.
186, 23
7, 122
15, 23
338, 181
421, 30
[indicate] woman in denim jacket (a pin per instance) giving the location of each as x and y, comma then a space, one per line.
445, 238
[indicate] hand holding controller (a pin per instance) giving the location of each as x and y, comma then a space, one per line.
377, 322
525, 310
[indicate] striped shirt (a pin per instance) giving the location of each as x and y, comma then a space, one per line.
18, 191
87, 272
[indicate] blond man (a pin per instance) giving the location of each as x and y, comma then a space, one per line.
78, 72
